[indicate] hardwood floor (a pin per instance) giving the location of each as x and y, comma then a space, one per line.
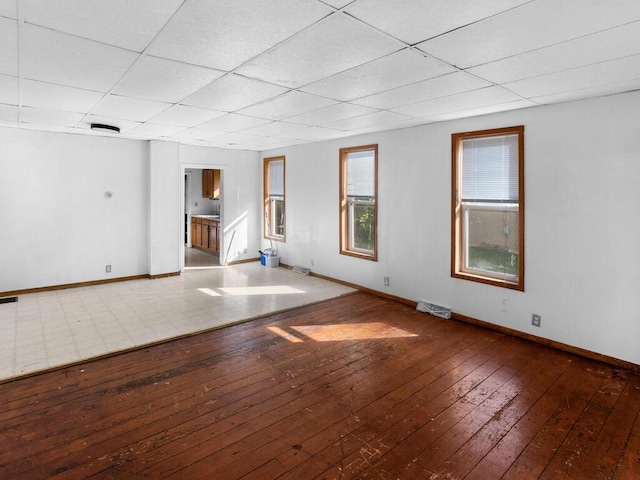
355, 387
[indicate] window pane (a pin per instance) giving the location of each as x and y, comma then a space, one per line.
362, 226
277, 209
276, 177
361, 174
492, 240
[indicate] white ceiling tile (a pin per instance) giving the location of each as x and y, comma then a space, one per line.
195, 134
273, 128
619, 70
123, 125
185, 116
288, 105
152, 130
337, 3
607, 45
458, 102
9, 9
9, 89
58, 97
164, 80
445, 85
369, 120
233, 92
230, 139
9, 113
123, 23
9, 49
400, 68
332, 113
222, 34
313, 53
413, 21
128, 108
59, 58
520, 29
314, 134
474, 112
609, 89
233, 122
45, 116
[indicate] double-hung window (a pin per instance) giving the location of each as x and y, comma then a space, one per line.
274, 198
358, 201
488, 206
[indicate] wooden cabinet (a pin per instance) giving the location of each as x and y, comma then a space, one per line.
210, 183
205, 234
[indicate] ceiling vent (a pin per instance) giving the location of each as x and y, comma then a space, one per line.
100, 127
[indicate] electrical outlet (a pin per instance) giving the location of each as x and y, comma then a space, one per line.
386, 281
536, 320
108, 269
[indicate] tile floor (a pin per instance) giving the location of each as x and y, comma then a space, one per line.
43, 330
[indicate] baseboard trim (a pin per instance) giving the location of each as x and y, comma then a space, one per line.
90, 283
245, 260
615, 362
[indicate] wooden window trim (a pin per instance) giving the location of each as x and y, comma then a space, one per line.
343, 204
456, 220
267, 198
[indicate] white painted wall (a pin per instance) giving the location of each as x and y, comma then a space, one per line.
582, 163
241, 192
56, 226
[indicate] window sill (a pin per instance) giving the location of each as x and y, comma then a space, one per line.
513, 285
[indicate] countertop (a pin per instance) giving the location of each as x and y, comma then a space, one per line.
207, 217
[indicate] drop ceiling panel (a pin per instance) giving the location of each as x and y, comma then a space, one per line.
9, 9
331, 46
45, 116
9, 114
233, 122
231, 139
314, 134
151, 130
598, 47
223, 34
338, 3
185, 116
609, 89
462, 101
400, 68
332, 113
233, 92
195, 133
288, 105
413, 21
123, 23
58, 97
273, 128
9, 50
622, 69
9, 89
472, 112
128, 108
164, 80
520, 30
445, 85
369, 120
59, 58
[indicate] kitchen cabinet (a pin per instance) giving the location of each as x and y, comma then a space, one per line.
210, 183
205, 234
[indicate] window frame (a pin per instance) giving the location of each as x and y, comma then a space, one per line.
459, 210
268, 203
346, 206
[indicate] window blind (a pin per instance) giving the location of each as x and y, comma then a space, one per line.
276, 178
490, 169
361, 174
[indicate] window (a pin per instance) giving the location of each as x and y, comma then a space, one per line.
358, 201
488, 206
274, 211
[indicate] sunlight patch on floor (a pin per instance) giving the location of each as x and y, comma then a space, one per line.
339, 332
265, 290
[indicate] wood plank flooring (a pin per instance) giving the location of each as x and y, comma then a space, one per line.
355, 387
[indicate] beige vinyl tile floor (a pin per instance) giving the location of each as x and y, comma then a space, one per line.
53, 328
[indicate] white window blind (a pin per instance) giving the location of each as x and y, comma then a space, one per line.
490, 169
361, 171
276, 178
